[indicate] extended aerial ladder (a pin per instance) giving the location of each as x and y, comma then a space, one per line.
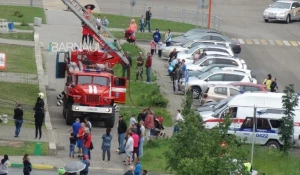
91, 24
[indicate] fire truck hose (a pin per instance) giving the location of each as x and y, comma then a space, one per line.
130, 91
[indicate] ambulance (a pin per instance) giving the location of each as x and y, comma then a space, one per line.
268, 105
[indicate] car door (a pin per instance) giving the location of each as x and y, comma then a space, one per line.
245, 132
220, 93
294, 11
208, 62
263, 130
118, 89
297, 9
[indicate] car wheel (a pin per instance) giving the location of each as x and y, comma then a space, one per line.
273, 145
266, 20
288, 19
196, 92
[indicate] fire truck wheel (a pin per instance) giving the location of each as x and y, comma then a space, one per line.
69, 117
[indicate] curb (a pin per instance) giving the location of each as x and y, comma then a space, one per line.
34, 166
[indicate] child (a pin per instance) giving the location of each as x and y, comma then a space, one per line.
142, 24
72, 145
161, 46
153, 46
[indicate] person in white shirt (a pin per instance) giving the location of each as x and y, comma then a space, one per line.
4, 165
129, 149
99, 20
132, 120
142, 138
179, 118
161, 46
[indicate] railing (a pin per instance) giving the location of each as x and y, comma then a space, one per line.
170, 13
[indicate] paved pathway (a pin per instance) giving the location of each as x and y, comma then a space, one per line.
18, 78
16, 42
26, 134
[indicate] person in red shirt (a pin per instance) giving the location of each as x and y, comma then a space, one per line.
87, 139
85, 34
148, 67
149, 124
80, 137
135, 145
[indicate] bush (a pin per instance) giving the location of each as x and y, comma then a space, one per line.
17, 13
154, 98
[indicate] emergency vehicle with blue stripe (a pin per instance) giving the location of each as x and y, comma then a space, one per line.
269, 112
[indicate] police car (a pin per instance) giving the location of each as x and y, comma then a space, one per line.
266, 131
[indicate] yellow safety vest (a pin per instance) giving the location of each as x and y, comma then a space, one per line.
247, 166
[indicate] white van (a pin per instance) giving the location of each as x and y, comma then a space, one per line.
242, 106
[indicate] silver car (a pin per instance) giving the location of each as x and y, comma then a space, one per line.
282, 11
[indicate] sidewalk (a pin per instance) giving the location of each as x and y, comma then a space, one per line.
26, 134
17, 42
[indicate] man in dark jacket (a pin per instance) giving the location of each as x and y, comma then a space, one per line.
148, 18
125, 67
156, 38
39, 114
122, 128
172, 55
18, 117
142, 116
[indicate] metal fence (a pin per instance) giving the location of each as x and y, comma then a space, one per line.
170, 13
18, 78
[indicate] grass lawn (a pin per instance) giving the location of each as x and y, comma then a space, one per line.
8, 12
138, 35
266, 161
20, 148
20, 59
140, 91
24, 94
18, 36
117, 21
28, 27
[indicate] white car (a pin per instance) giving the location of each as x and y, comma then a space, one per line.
213, 59
210, 50
246, 71
213, 77
282, 11
167, 50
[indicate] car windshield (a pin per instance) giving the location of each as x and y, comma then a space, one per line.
281, 5
192, 50
102, 81
188, 44
189, 33
220, 104
218, 111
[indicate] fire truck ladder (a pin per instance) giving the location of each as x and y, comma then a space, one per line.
89, 20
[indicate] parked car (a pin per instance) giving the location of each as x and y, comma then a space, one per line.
205, 36
213, 77
236, 48
246, 71
213, 59
215, 93
177, 40
282, 11
210, 50
218, 105
246, 87
196, 73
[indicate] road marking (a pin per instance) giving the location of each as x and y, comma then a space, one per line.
294, 43
241, 41
286, 43
271, 42
256, 41
264, 42
248, 41
234, 39
299, 42
278, 42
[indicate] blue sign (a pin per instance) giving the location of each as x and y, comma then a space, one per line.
187, 76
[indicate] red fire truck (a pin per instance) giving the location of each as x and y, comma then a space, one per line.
91, 88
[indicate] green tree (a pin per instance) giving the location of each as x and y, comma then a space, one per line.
286, 130
187, 103
195, 150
